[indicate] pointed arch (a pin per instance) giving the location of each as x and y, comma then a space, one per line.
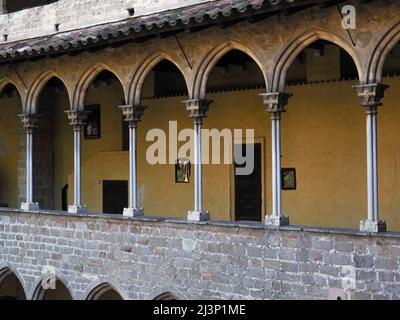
167, 293
78, 100
101, 290
4, 82
37, 87
380, 53
101, 286
211, 59
136, 85
39, 293
300, 43
166, 296
6, 271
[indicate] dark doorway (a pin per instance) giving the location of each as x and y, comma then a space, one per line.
64, 198
248, 188
115, 196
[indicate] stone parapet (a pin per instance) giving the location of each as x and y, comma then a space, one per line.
145, 256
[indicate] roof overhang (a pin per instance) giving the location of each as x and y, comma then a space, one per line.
223, 13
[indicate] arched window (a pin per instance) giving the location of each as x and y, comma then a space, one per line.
13, 6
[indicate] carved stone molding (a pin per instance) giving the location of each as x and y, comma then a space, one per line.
77, 118
197, 108
370, 95
133, 114
29, 121
275, 102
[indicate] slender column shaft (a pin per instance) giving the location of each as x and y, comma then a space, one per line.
275, 103
375, 164
132, 168
370, 97
29, 122
276, 165
29, 166
133, 115
198, 190
3, 7
372, 169
77, 121
77, 165
197, 111
369, 169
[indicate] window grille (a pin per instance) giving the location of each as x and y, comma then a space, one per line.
92, 125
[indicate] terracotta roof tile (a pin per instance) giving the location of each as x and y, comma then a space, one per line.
128, 28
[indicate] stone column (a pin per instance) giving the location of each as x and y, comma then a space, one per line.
132, 115
29, 123
77, 120
370, 96
197, 110
275, 104
3, 7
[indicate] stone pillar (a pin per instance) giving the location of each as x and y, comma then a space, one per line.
370, 96
77, 120
275, 104
3, 7
29, 123
197, 110
132, 115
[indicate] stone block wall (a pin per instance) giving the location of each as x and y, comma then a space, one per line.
70, 15
148, 256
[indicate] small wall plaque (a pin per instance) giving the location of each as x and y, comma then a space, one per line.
182, 170
288, 178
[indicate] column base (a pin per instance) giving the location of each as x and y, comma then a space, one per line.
133, 212
77, 208
29, 206
198, 216
372, 226
276, 221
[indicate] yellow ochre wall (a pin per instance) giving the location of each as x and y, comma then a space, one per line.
10, 107
323, 137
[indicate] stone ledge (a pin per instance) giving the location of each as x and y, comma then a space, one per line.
216, 223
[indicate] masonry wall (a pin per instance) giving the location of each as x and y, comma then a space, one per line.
69, 15
144, 258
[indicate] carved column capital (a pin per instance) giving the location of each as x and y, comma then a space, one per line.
275, 102
133, 114
197, 108
29, 121
370, 95
77, 118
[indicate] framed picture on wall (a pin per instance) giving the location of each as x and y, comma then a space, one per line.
182, 170
288, 179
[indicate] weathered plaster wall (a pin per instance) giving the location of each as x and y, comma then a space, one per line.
143, 259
